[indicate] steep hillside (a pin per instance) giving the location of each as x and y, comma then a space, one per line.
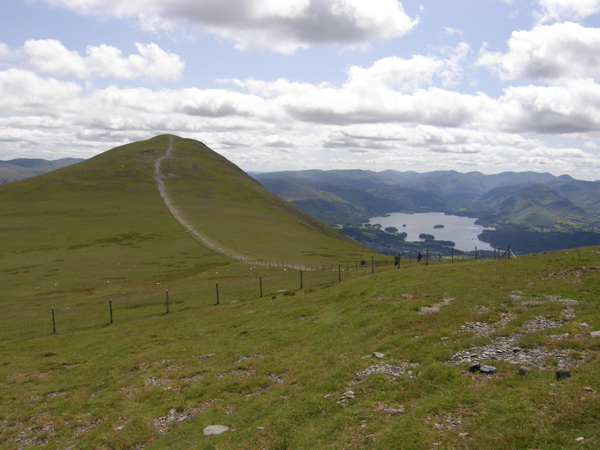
528, 205
329, 202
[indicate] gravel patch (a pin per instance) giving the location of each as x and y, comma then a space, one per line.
506, 349
163, 424
435, 308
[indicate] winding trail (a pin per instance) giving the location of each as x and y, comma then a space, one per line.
178, 216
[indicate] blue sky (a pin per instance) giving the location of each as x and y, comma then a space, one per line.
485, 85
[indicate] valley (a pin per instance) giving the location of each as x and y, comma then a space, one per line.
552, 212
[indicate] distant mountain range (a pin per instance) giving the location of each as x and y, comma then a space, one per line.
18, 169
510, 202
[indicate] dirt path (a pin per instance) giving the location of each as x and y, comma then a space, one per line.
178, 216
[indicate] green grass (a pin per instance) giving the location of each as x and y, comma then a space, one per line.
280, 364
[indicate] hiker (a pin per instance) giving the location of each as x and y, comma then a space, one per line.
419, 256
397, 259
362, 263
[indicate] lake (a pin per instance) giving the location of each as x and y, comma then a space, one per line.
461, 230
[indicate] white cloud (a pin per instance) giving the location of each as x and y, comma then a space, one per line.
52, 58
4, 51
559, 10
568, 109
24, 92
548, 53
259, 123
279, 25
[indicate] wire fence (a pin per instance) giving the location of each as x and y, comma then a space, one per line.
39, 321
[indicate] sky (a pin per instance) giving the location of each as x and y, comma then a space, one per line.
468, 85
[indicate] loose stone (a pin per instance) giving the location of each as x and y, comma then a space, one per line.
215, 430
474, 368
562, 374
523, 371
488, 370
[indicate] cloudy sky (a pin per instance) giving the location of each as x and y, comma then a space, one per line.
486, 85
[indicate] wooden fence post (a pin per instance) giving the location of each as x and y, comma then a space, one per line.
372, 264
111, 314
167, 302
340, 273
217, 293
300, 279
453, 255
260, 283
427, 258
53, 321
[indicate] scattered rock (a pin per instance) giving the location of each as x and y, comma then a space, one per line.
176, 416
504, 349
349, 395
588, 389
562, 374
378, 355
485, 329
215, 430
523, 371
595, 334
543, 323
463, 435
392, 412
580, 439
386, 369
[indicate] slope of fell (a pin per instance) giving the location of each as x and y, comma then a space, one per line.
222, 202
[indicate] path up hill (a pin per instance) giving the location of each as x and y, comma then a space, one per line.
231, 208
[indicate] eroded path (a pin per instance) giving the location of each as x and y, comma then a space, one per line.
177, 214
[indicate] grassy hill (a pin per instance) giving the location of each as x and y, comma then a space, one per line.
100, 229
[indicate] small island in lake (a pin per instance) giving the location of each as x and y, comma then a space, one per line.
438, 226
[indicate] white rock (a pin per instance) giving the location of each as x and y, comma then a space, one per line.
214, 430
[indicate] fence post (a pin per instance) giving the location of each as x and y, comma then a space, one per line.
111, 315
475, 253
427, 258
452, 254
217, 293
300, 279
508, 252
340, 273
53, 321
399, 259
372, 264
167, 302
260, 282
